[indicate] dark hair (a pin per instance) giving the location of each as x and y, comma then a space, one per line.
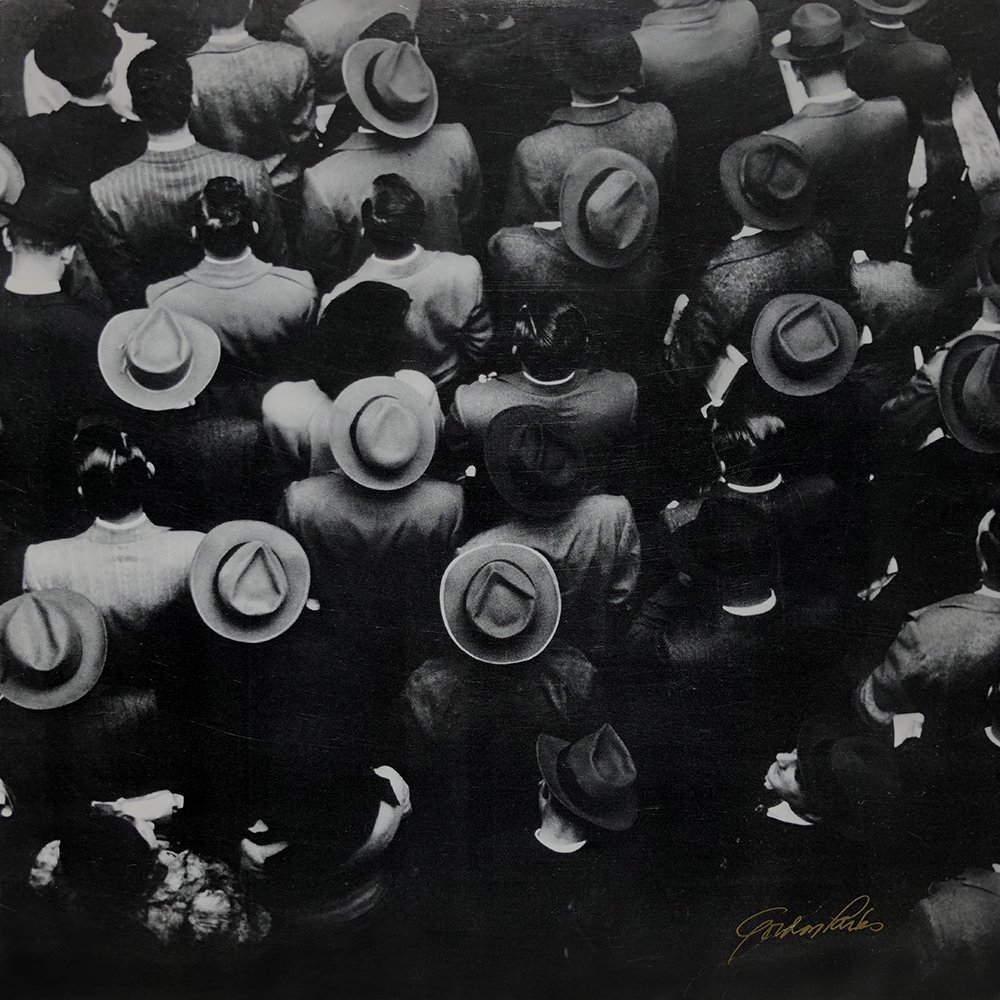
360, 333
945, 217
90, 86
551, 336
171, 23
224, 217
91, 6
162, 89
394, 215
24, 236
817, 67
394, 26
111, 471
224, 13
750, 445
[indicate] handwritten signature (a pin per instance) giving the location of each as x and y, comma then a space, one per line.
851, 919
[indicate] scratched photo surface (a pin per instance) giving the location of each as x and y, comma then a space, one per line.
497, 500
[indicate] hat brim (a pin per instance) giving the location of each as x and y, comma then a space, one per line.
354, 68
577, 179
852, 39
620, 815
959, 354
874, 7
767, 367
495, 455
206, 351
804, 208
467, 637
346, 407
214, 548
94, 641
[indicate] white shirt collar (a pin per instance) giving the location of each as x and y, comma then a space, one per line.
133, 522
745, 232
841, 95
226, 39
766, 488
555, 845
12, 284
988, 592
182, 141
898, 26
547, 225
985, 326
751, 610
784, 813
366, 131
230, 260
995, 740
594, 104
558, 381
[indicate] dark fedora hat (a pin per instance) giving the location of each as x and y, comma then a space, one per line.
382, 433
536, 460
969, 392
589, 55
817, 33
768, 181
730, 547
804, 345
48, 207
391, 86
891, 8
157, 359
500, 603
594, 778
77, 45
609, 204
249, 580
52, 648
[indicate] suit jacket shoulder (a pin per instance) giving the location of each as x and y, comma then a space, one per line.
301, 278
160, 288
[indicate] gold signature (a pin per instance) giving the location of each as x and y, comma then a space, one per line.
851, 919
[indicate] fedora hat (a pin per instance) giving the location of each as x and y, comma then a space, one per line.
500, 603
536, 460
590, 56
391, 86
594, 778
249, 580
768, 181
608, 205
77, 46
804, 345
54, 209
382, 433
156, 359
53, 644
891, 8
11, 181
729, 546
817, 33
969, 392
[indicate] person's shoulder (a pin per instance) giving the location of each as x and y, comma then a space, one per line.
118, 179
301, 279
513, 238
437, 495
161, 288
599, 507
618, 383
571, 665
885, 110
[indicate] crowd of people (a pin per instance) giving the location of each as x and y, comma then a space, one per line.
499, 499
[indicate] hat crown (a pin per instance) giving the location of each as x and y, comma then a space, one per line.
41, 644
251, 580
806, 339
158, 352
816, 26
616, 211
773, 178
545, 456
599, 765
501, 600
980, 393
402, 80
385, 434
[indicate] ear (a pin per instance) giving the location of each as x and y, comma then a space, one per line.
151, 469
256, 227
8, 246
66, 254
79, 491
194, 232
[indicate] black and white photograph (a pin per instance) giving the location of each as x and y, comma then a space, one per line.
499, 500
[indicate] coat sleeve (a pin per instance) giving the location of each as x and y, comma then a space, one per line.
302, 117
477, 330
523, 205
627, 562
272, 245
914, 412
887, 690
324, 238
111, 257
470, 197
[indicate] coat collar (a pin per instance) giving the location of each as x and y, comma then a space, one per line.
844, 107
219, 274
973, 602
592, 116
214, 48
889, 36
752, 246
139, 529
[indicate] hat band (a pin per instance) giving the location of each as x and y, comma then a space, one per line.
227, 603
154, 381
358, 451
595, 182
806, 51
763, 199
584, 800
381, 105
39, 680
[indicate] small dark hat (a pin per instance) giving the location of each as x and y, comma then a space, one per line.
891, 8
594, 778
50, 208
590, 57
768, 181
536, 460
969, 392
804, 345
817, 33
730, 546
77, 45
